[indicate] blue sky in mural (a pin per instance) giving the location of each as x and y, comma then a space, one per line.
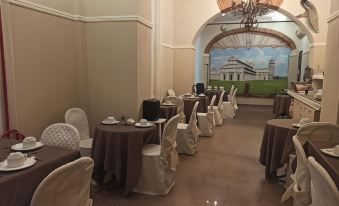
258, 56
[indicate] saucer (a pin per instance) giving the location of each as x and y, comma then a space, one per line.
190, 97
106, 122
297, 125
149, 124
28, 163
20, 147
329, 151
168, 104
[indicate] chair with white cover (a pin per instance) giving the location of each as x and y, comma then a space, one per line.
68, 185
170, 93
323, 189
159, 162
179, 103
301, 188
207, 121
219, 110
78, 118
61, 135
230, 107
188, 134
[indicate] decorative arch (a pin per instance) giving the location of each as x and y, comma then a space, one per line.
269, 32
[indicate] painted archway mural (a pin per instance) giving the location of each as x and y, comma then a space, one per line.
255, 61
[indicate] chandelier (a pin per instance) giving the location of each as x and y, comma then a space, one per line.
248, 10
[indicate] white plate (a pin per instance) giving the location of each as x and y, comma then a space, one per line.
168, 104
329, 151
28, 163
149, 124
109, 122
297, 125
20, 147
192, 97
202, 95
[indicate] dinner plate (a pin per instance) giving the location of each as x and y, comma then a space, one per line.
28, 163
297, 125
192, 97
149, 124
20, 147
329, 151
109, 122
168, 104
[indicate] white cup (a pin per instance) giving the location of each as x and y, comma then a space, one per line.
143, 122
110, 118
336, 150
29, 142
16, 159
304, 121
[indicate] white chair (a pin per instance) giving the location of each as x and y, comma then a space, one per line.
219, 110
188, 134
171, 93
323, 189
78, 118
179, 103
61, 135
230, 107
207, 121
301, 188
229, 96
68, 185
159, 162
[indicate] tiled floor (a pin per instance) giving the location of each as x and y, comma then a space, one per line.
225, 169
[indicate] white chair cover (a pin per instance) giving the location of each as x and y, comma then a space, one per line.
207, 121
324, 190
61, 135
171, 93
179, 103
234, 99
78, 118
230, 95
318, 131
219, 110
68, 185
230, 106
188, 134
159, 162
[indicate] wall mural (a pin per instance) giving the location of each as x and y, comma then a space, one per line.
264, 70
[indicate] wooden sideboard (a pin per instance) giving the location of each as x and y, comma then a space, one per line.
304, 106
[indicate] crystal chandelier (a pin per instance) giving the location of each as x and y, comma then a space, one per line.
248, 10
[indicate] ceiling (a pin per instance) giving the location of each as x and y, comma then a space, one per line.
248, 40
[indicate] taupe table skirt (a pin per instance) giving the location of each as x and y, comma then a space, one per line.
167, 112
117, 150
211, 93
17, 188
281, 105
189, 104
277, 145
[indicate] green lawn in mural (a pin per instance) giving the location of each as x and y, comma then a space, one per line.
260, 88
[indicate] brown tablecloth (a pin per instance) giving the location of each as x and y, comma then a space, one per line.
211, 93
331, 164
189, 104
167, 112
117, 150
17, 188
277, 145
281, 105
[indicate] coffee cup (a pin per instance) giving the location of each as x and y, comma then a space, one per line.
29, 142
16, 159
143, 122
336, 150
111, 118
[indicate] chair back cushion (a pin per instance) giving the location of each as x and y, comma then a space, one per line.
78, 118
61, 135
68, 185
324, 190
179, 103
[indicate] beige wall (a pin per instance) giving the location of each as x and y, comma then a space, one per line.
330, 102
183, 70
45, 74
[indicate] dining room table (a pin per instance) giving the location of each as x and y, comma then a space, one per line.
211, 92
281, 105
329, 163
189, 103
167, 111
17, 187
117, 153
277, 145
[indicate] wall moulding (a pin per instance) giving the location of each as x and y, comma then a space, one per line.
178, 46
95, 19
333, 17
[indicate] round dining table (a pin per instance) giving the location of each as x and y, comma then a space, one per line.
117, 153
277, 145
168, 111
281, 105
210, 93
189, 103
